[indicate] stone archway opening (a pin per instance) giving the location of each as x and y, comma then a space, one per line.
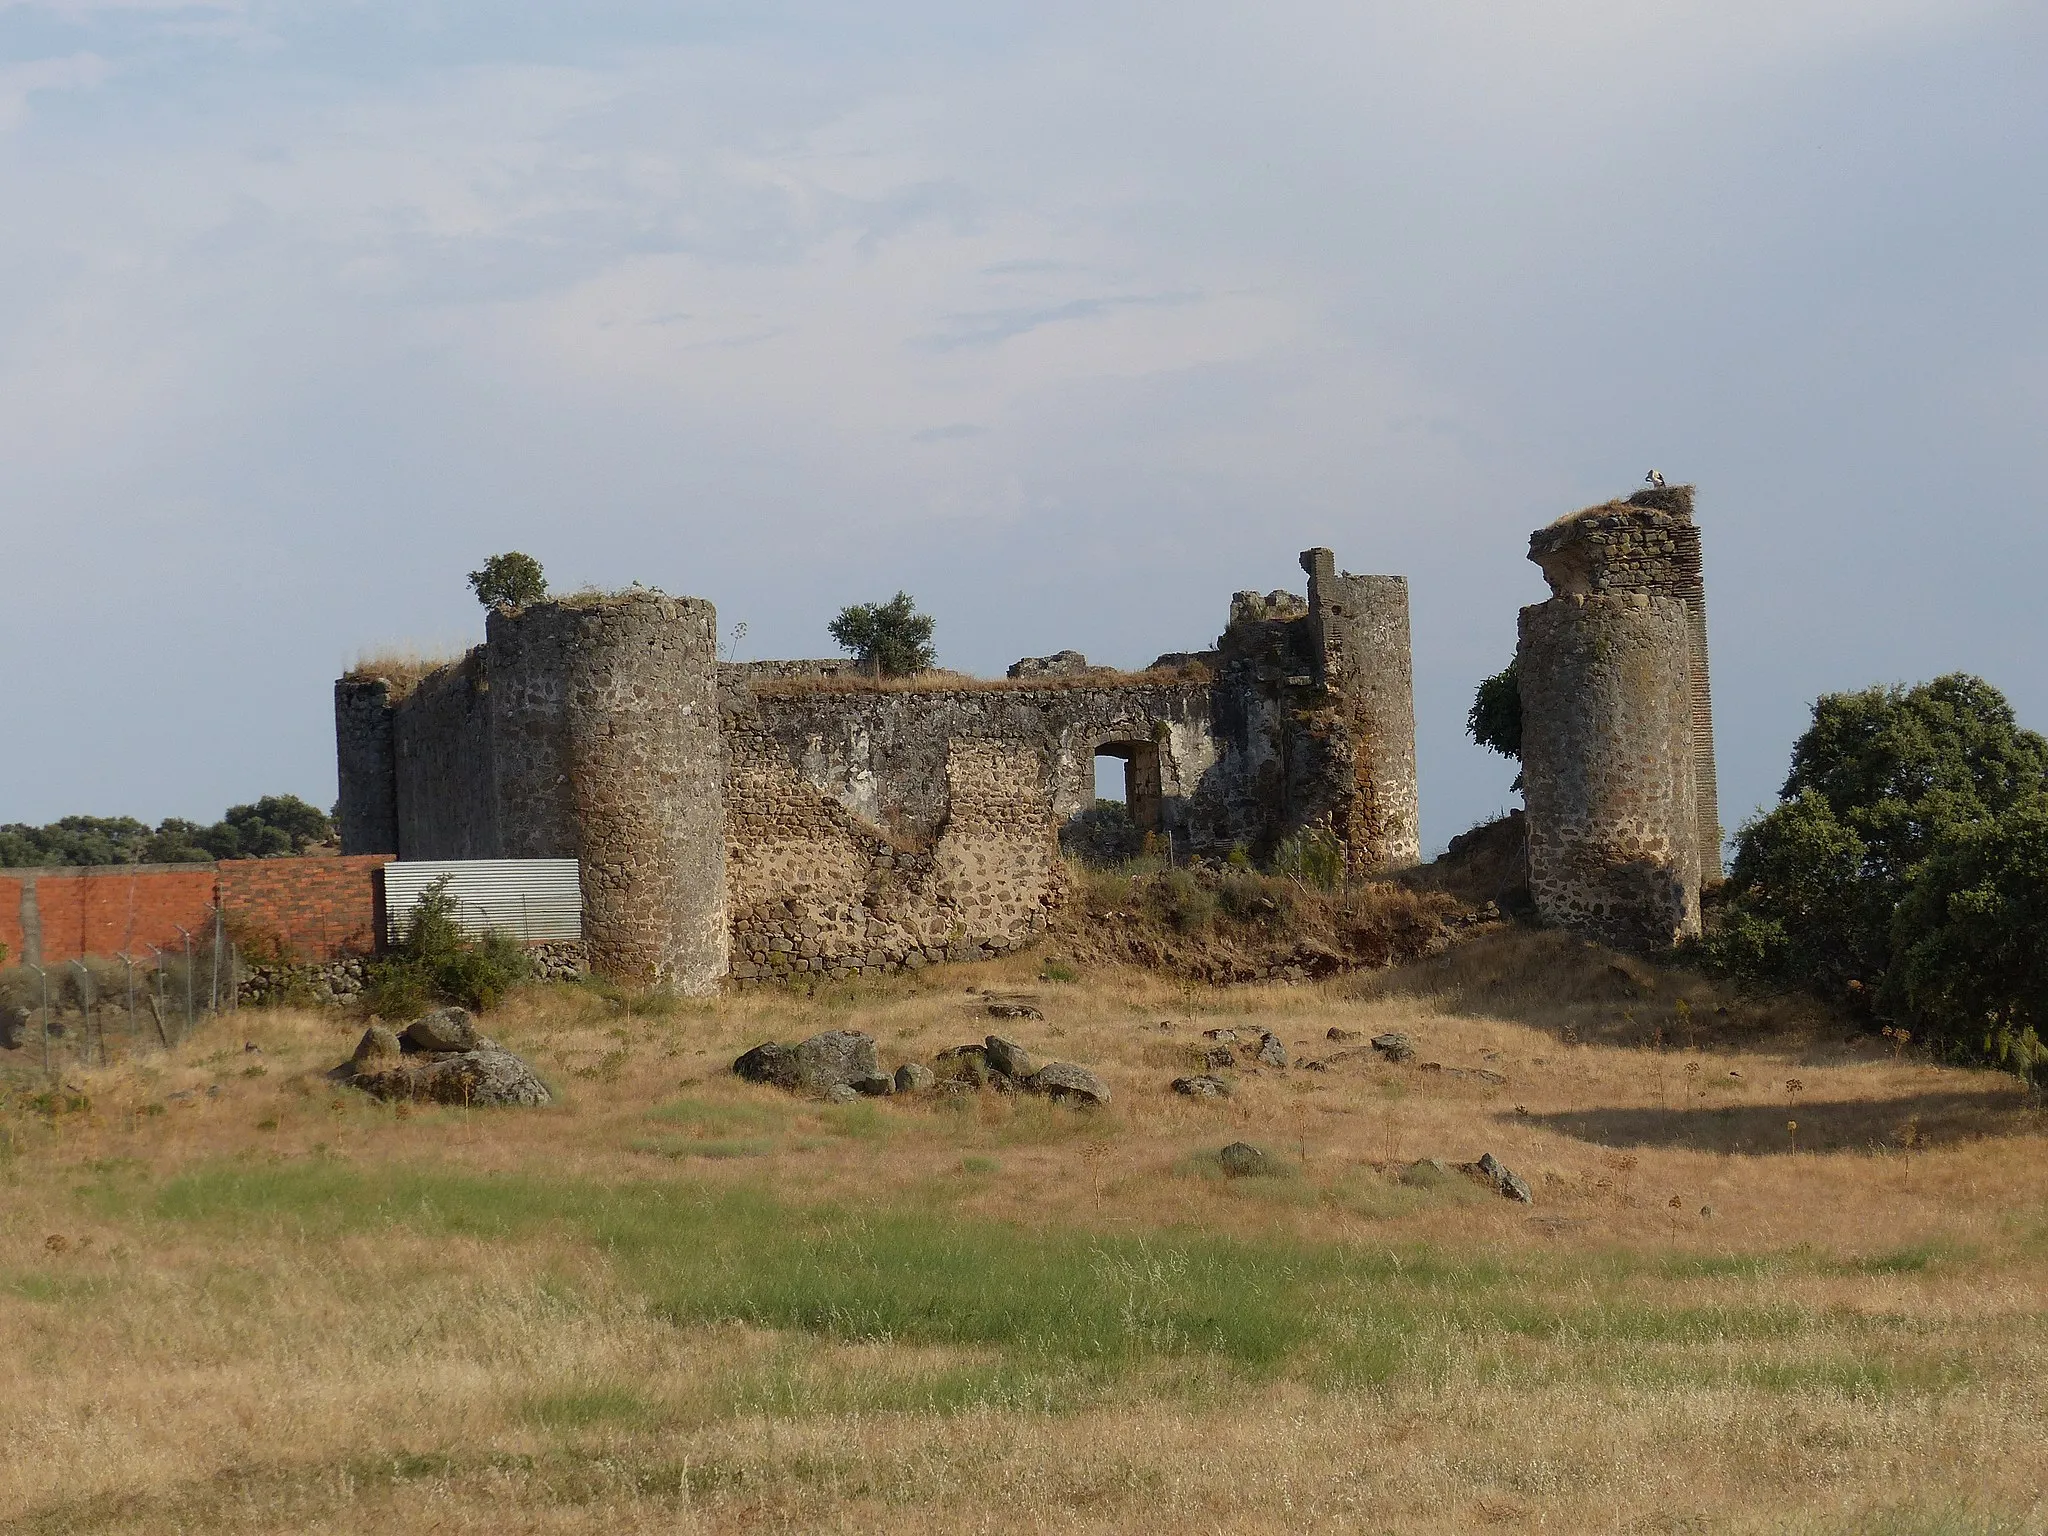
1137, 763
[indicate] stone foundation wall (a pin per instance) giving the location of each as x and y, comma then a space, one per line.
1607, 767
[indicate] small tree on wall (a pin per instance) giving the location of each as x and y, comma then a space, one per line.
510, 580
890, 639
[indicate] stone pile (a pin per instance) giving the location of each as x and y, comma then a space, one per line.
439, 1058
841, 1066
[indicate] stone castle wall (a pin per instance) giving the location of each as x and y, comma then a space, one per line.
1607, 766
818, 825
1648, 543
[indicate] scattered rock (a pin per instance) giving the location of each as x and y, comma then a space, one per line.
377, 1044
842, 1093
487, 1077
1488, 1075
1490, 1170
1271, 1052
1221, 1036
1202, 1087
913, 1077
1068, 1084
1344, 1036
445, 1029
1222, 1056
1013, 1011
879, 1085
1008, 1058
964, 1064
1242, 1160
839, 1058
1312, 1066
1394, 1045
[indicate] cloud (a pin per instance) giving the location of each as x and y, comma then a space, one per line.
18, 82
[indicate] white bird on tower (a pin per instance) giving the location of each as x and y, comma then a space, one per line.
1655, 477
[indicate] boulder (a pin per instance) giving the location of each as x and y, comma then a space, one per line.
1068, 1084
912, 1077
378, 1044
445, 1029
877, 1086
1221, 1056
839, 1058
842, 1093
489, 1076
964, 1064
1490, 1170
1344, 1036
1221, 1036
1202, 1086
1008, 1058
1272, 1053
1013, 1011
1242, 1160
1394, 1045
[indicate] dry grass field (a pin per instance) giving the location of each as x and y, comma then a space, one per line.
234, 1298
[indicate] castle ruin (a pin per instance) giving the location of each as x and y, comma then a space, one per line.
1617, 723
792, 818
783, 818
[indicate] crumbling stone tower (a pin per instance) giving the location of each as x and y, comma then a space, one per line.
1358, 628
583, 729
1617, 723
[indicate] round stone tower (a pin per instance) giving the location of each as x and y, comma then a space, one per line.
1607, 766
606, 748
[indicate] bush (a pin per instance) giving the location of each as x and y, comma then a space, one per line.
1312, 856
1906, 865
1184, 901
1876, 780
439, 963
1970, 941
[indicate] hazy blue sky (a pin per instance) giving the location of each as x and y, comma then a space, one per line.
1071, 319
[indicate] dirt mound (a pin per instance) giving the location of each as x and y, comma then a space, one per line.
1223, 925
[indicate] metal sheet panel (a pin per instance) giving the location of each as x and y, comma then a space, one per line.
534, 900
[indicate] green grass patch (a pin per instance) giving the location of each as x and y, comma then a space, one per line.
588, 1408
716, 1150
1050, 1315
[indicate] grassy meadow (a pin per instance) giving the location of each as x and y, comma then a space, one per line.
1778, 1276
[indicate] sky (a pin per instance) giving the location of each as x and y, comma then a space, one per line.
1069, 319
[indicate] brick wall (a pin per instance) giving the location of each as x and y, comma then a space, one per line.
65, 914
323, 909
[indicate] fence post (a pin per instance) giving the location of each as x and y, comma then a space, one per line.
45, 975
186, 1032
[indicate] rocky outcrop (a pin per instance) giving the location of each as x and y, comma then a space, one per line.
478, 1073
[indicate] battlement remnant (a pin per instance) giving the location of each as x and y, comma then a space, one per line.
795, 819
1617, 722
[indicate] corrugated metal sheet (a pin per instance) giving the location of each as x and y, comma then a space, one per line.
535, 900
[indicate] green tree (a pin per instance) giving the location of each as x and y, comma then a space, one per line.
1970, 941
1495, 718
890, 639
510, 580
1877, 779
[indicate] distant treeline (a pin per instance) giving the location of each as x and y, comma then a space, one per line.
274, 827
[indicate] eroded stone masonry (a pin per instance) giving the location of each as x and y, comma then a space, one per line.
1617, 723
788, 817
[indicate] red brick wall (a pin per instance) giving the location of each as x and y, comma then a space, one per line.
111, 910
319, 908
10, 919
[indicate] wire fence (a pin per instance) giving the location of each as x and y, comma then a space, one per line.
102, 1009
